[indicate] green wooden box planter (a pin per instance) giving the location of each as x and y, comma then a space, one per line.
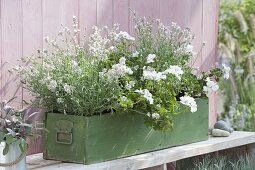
99, 138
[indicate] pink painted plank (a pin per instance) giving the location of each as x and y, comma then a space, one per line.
1, 76
148, 9
32, 41
121, 13
105, 13
11, 47
87, 17
186, 14
32, 26
210, 22
58, 12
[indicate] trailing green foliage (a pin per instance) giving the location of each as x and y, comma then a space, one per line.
237, 49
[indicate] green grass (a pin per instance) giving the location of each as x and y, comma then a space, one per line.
223, 163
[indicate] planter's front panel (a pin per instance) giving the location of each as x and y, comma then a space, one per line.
114, 136
65, 138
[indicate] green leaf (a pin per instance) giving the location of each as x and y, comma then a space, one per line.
23, 145
2, 135
6, 149
10, 139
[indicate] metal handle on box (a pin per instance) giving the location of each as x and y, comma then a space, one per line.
64, 137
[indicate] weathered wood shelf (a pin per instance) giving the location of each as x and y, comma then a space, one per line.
151, 159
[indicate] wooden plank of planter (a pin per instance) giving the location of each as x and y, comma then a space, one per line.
151, 159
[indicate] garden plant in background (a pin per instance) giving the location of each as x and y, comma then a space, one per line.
149, 76
237, 50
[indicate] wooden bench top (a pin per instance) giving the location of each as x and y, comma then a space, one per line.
150, 159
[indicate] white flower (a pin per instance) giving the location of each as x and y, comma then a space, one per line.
130, 85
150, 58
175, 70
52, 85
119, 70
124, 98
239, 70
75, 67
211, 86
126, 36
112, 48
67, 88
226, 70
135, 54
190, 102
146, 94
102, 73
60, 100
155, 115
150, 74
189, 49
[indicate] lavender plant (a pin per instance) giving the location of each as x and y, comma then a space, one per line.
115, 72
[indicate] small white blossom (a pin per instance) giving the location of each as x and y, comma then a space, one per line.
67, 88
60, 100
155, 115
75, 67
126, 36
189, 49
190, 102
124, 98
52, 85
130, 85
211, 86
239, 70
146, 94
119, 70
150, 58
102, 73
150, 74
135, 54
175, 70
226, 70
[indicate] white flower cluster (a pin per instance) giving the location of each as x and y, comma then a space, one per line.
119, 70
67, 88
150, 74
153, 115
190, 102
75, 67
150, 58
130, 85
52, 85
146, 94
135, 54
226, 69
126, 36
98, 45
211, 86
175, 70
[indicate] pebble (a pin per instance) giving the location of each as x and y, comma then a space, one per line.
220, 133
223, 126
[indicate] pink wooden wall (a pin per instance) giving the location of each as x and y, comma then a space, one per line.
24, 23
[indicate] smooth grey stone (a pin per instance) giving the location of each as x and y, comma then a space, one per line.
220, 133
223, 126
